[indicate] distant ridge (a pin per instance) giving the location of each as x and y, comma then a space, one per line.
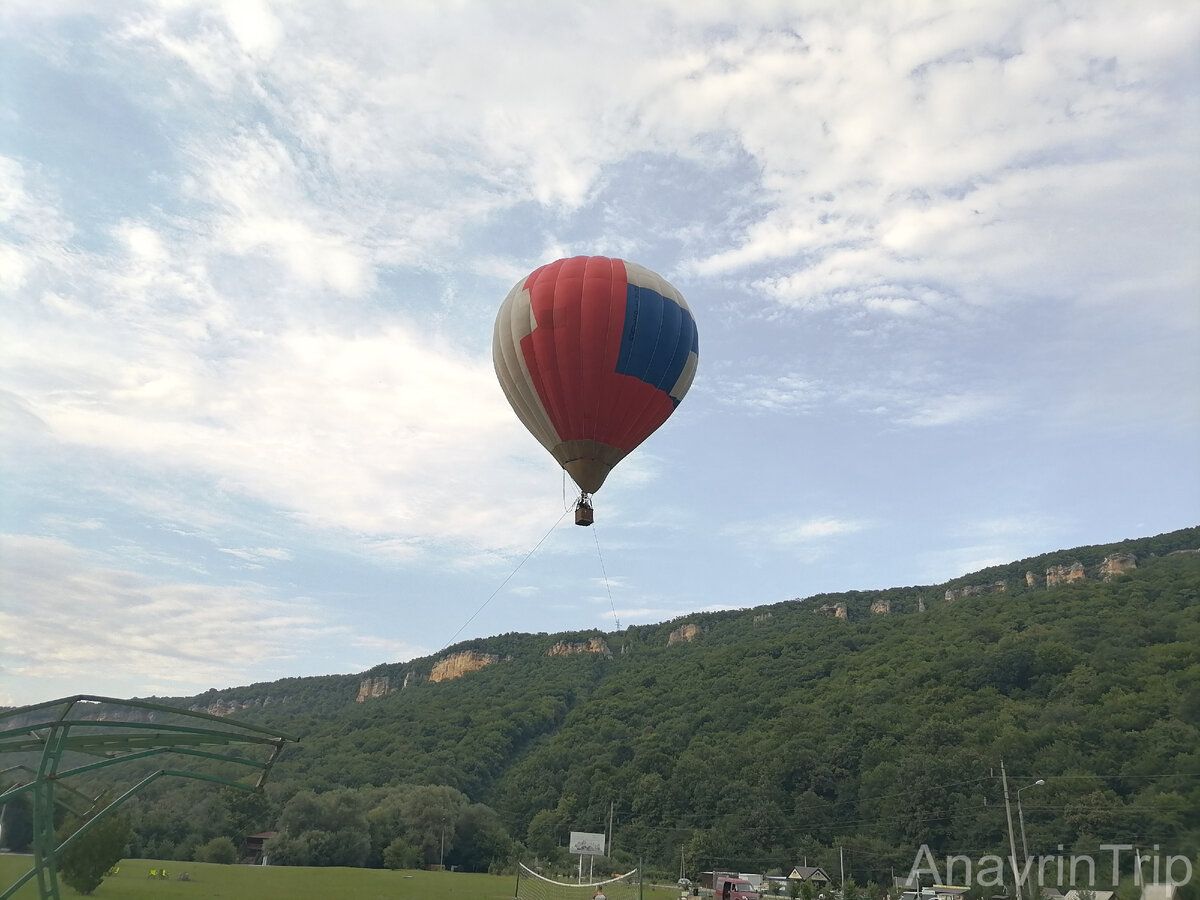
1012, 579
862, 724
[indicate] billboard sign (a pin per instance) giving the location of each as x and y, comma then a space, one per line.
586, 844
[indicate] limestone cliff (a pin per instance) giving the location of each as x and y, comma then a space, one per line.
684, 634
459, 664
570, 648
881, 607
1117, 564
1056, 575
976, 590
229, 707
372, 687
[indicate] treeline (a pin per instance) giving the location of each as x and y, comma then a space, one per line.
779, 734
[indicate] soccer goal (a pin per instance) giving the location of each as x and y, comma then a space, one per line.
532, 886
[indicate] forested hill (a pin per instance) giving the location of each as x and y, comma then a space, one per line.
753, 739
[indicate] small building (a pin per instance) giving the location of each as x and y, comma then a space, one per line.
935, 892
814, 875
254, 848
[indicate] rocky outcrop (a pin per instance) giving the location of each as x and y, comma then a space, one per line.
684, 634
881, 607
229, 707
761, 618
920, 604
570, 648
459, 664
1031, 579
837, 610
1056, 575
976, 590
370, 687
1117, 564
412, 677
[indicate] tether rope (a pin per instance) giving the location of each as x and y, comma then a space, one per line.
604, 571
524, 559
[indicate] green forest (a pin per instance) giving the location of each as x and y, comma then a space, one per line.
776, 736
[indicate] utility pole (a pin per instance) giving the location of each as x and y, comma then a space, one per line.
1012, 840
610, 829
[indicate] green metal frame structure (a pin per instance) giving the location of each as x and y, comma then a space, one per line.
111, 732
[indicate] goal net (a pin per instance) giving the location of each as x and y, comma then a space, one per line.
532, 886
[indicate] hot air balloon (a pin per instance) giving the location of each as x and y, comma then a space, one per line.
594, 354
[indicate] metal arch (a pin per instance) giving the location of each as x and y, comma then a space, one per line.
125, 732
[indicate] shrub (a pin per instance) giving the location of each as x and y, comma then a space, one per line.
218, 850
400, 854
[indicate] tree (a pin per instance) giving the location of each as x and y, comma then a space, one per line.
400, 854
288, 850
482, 841
84, 864
302, 813
16, 822
430, 814
249, 812
344, 847
542, 834
322, 830
218, 850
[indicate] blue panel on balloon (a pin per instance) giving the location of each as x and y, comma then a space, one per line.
656, 339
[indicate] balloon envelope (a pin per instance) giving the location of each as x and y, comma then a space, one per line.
594, 354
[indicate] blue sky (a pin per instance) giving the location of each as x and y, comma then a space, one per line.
943, 258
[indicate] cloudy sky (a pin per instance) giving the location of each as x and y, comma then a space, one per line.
943, 258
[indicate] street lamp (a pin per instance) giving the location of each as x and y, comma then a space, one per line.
1021, 819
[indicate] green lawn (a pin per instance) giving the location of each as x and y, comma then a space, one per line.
209, 881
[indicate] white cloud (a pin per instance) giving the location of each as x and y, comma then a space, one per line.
257, 557
950, 409
373, 434
77, 613
256, 28
770, 393
942, 145
810, 537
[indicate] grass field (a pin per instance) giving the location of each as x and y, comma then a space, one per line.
209, 881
